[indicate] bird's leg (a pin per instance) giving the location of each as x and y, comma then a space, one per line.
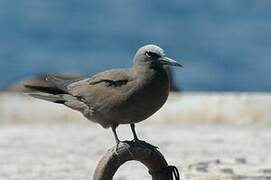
115, 134
134, 132
136, 140
118, 141
113, 127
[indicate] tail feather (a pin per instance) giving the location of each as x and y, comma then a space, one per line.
55, 85
60, 82
55, 90
45, 89
49, 97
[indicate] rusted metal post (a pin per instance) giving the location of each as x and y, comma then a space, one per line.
142, 152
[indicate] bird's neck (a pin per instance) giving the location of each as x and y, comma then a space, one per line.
150, 72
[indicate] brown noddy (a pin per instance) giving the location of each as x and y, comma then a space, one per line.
117, 96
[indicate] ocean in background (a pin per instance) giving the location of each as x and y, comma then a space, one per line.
224, 45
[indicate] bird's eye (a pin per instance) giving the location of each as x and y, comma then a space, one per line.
147, 53
151, 54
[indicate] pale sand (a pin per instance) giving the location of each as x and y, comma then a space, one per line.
71, 151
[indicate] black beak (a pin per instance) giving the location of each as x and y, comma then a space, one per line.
169, 61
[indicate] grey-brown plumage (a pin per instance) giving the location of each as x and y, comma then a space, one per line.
117, 96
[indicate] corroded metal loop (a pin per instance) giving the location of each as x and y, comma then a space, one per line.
171, 171
138, 151
174, 172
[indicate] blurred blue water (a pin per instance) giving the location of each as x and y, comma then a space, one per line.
225, 45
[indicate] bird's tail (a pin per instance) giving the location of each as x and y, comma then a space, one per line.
53, 84
56, 98
45, 89
53, 90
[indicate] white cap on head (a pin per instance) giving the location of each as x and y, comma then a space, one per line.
151, 48
157, 54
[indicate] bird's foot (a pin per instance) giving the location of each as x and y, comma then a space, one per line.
123, 146
117, 147
143, 143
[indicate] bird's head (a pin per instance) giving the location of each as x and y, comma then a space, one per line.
153, 55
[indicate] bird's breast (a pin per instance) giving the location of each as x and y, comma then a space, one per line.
149, 94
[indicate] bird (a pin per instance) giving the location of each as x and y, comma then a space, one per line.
117, 96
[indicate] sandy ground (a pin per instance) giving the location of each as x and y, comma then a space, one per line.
69, 151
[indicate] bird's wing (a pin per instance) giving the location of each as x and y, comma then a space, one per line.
114, 78
60, 82
103, 88
52, 84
